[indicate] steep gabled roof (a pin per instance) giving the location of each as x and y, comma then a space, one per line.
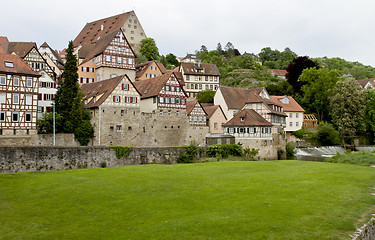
236, 98
102, 88
55, 54
141, 68
190, 106
93, 30
363, 82
210, 109
293, 106
19, 66
192, 69
152, 86
250, 118
20, 48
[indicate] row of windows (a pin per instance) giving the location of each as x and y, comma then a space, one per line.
36, 65
291, 115
15, 117
200, 78
169, 113
118, 49
16, 98
200, 86
150, 75
47, 84
172, 88
171, 100
44, 109
291, 124
117, 99
86, 80
16, 81
46, 96
197, 118
115, 59
250, 130
87, 69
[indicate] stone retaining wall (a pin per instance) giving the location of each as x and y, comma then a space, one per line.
366, 232
24, 159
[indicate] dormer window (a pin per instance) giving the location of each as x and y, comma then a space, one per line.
242, 119
9, 64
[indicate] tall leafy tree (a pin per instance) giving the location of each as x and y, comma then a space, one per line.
347, 107
317, 90
149, 49
369, 120
295, 69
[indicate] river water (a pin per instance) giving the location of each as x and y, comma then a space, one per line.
320, 153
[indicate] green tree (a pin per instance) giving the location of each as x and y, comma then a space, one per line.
171, 59
369, 120
149, 49
317, 90
219, 49
140, 59
348, 107
206, 96
295, 69
69, 99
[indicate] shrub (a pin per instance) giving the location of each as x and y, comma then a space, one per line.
357, 158
299, 133
280, 153
103, 164
84, 132
250, 153
223, 151
191, 152
290, 150
327, 135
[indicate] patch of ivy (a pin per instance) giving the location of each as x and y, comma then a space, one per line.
122, 151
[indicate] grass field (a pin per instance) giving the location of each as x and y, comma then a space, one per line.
224, 200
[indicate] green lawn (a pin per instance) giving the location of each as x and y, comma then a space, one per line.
222, 200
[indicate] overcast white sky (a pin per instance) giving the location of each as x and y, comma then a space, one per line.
316, 28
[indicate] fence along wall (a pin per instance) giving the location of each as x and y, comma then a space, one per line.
24, 159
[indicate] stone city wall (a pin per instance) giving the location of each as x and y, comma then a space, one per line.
24, 159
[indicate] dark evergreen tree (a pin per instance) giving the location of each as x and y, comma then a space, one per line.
69, 101
295, 69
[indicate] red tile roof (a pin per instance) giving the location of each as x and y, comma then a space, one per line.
192, 69
293, 106
250, 118
93, 30
363, 82
20, 48
236, 98
278, 72
191, 104
142, 67
152, 86
210, 109
20, 67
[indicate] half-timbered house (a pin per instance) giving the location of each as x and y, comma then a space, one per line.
46, 93
164, 93
149, 69
53, 58
197, 115
18, 96
127, 22
105, 57
29, 52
